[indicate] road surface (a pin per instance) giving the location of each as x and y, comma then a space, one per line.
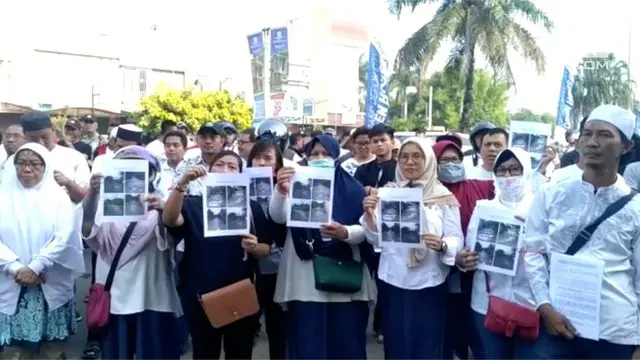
75, 345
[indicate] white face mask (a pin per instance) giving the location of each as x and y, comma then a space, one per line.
511, 188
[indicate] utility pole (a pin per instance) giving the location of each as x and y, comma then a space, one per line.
221, 82
93, 100
266, 42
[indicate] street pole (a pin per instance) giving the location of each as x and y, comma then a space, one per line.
266, 41
430, 107
93, 100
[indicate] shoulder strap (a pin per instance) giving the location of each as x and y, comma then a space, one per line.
116, 257
585, 235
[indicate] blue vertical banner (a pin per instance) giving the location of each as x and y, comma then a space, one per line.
565, 101
377, 101
279, 59
256, 49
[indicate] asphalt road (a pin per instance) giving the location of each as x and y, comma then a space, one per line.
75, 345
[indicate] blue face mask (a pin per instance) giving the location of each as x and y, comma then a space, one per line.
321, 163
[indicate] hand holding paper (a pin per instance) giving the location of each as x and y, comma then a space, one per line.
556, 323
334, 231
283, 179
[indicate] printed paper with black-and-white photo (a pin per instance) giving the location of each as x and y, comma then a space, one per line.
225, 204
310, 197
261, 188
530, 136
123, 188
399, 214
498, 239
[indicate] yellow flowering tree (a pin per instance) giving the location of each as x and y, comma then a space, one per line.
192, 107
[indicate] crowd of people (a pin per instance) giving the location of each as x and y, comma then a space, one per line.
167, 285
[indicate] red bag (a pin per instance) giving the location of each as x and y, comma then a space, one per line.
510, 319
98, 307
99, 303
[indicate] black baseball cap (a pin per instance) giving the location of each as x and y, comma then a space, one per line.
87, 119
72, 124
211, 128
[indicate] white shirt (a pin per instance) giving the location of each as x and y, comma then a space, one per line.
156, 147
516, 288
559, 212
98, 163
566, 174
351, 164
478, 173
167, 176
72, 164
443, 220
632, 175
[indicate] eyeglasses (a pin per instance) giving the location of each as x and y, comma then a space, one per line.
416, 158
243, 142
31, 164
362, 144
513, 171
450, 160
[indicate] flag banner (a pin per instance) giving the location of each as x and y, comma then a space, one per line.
377, 101
256, 49
565, 101
279, 59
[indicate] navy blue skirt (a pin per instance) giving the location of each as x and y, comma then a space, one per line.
327, 330
413, 321
147, 335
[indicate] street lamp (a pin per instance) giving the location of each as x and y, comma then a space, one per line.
221, 82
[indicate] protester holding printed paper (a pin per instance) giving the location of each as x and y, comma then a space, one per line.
556, 224
413, 281
144, 302
322, 281
512, 169
214, 263
266, 154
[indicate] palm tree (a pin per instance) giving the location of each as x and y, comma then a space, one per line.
601, 80
488, 25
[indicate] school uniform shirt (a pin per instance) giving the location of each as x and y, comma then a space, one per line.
514, 289
432, 271
557, 216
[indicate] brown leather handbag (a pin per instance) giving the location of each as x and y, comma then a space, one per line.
231, 303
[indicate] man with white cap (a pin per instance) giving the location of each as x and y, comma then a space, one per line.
123, 135
596, 219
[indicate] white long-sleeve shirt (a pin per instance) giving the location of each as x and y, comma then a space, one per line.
516, 288
441, 220
559, 212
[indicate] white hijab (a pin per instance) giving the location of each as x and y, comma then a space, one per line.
37, 222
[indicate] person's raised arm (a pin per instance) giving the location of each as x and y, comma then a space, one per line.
172, 214
90, 205
278, 202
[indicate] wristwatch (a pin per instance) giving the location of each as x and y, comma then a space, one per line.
444, 247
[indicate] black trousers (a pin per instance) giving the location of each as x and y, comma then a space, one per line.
273, 316
93, 335
208, 342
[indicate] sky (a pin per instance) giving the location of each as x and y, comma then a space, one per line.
209, 37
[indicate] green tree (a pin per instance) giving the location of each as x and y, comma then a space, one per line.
529, 115
490, 96
600, 80
193, 108
489, 26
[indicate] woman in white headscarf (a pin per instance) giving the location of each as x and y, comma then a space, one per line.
413, 286
512, 169
39, 258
